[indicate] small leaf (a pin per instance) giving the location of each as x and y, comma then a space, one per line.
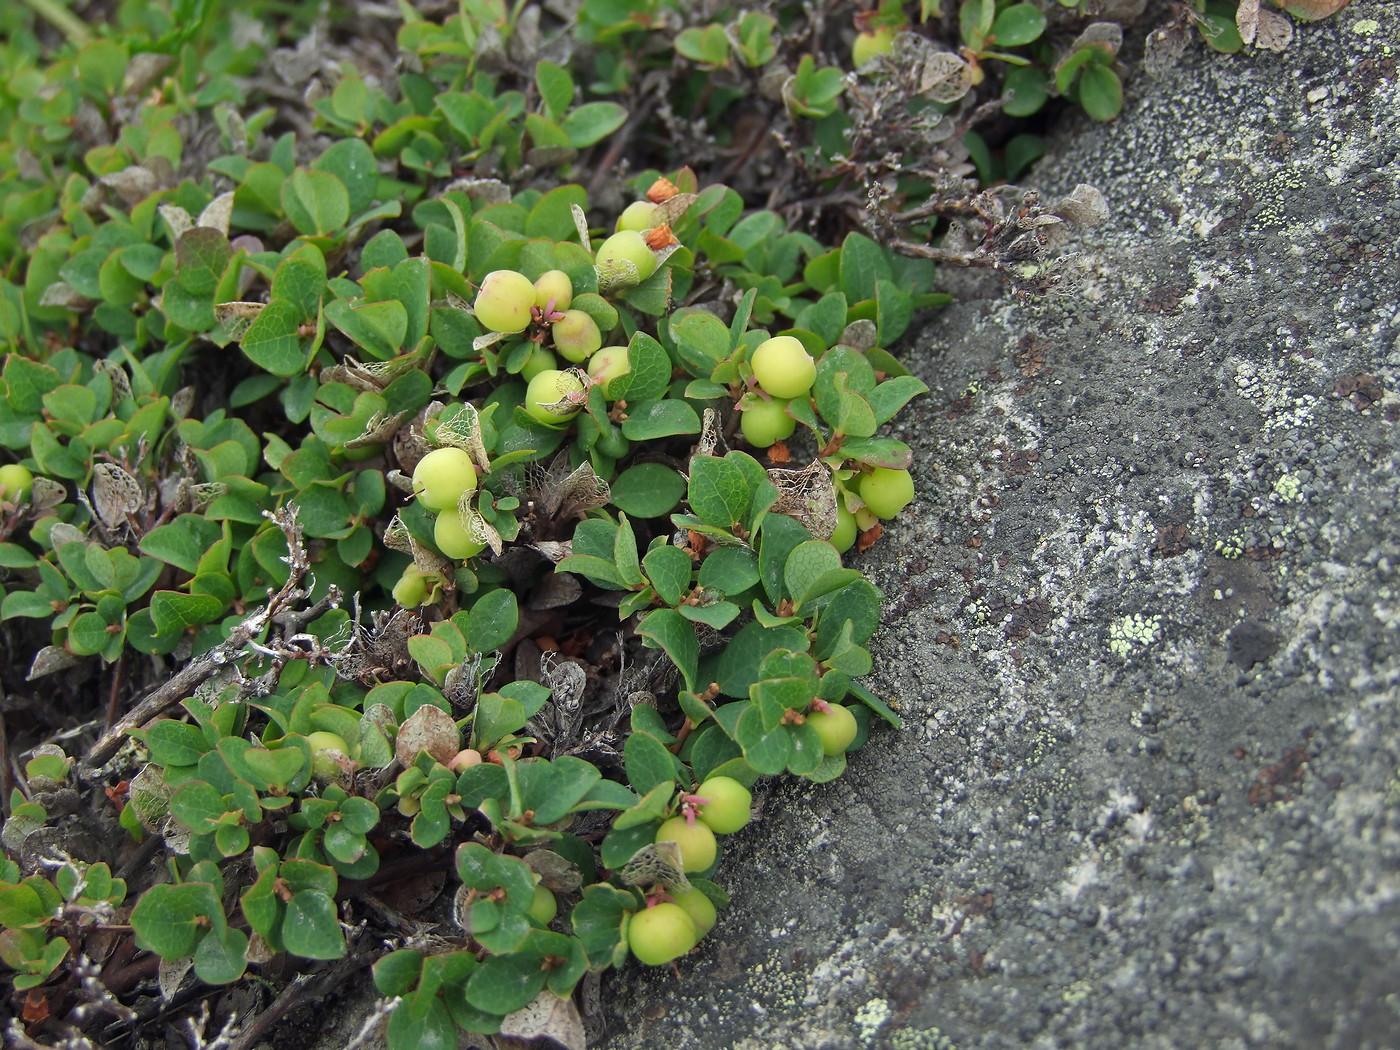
669, 570
311, 927
656, 419
719, 491
648, 763
503, 984
273, 343
1017, 25
315, 201
586, 124
666, 629
648, 490
1100, 92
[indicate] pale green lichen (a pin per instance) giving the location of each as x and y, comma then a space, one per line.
1133, 632
921, 1039
870, 1017
1365, 27
1289, 489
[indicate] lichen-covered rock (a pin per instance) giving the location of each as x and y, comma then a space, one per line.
1141, 621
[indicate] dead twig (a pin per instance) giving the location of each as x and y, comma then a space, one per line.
183, 682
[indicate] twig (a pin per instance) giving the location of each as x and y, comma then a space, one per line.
184, 681
945, 255
303, 989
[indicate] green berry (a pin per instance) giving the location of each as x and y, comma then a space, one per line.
554, 286
727, 804
576, 337
886, 492
15, 482
637, 216
661, 933
766, 422
700, 909
783, 367
844, 538
442, 476
539, 360
836, 726
452, 539
547, 396
695, 841
412, 589
868, 45
543, 906
624, 259
607, 365
503, 303
324, 748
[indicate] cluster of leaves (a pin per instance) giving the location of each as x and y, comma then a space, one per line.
234, 322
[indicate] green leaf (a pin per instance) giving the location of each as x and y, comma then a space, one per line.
274, 770
316, 202
598, 918
552, 789
272, 341
669, 569
503, 984
586, 124
648, 763
1024, 91
858, 604
657, 419
781, 535
197, 805
167, 919
702, 341
378, 328
352, 162
863, 265
556, 88
729, 570
174, 612
21, 906
433, 1030
736, 668
621, 844
201, 256
492, 621
1100, 92
26, 383
650, 375
648, 490
668, 630
222, 955
1017, 25
182, 542
398, 971
88, 634
311, 927
301, 280
719, 491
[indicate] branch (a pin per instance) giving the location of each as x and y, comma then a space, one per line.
183, 682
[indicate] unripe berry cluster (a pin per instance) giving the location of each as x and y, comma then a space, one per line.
783, 370
441, 480
665, 931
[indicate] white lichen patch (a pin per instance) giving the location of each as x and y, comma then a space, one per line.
870, 1018
1134, 631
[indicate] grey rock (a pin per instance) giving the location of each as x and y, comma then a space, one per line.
1150, 797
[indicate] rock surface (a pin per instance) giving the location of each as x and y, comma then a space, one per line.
1141, 623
